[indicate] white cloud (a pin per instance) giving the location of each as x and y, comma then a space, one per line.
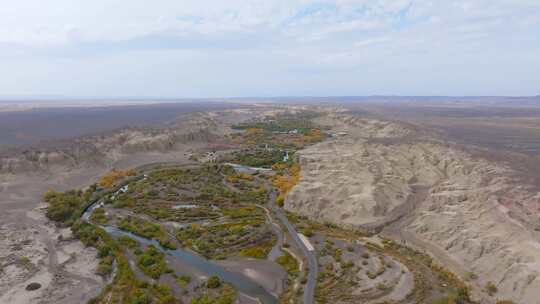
276, 38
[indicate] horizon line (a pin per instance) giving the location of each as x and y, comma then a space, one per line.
31, 98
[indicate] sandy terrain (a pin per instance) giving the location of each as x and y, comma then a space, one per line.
474, 217
34, 252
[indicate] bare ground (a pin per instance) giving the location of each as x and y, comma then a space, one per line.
63, 267
475, 217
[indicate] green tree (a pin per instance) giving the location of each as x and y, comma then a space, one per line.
213, 282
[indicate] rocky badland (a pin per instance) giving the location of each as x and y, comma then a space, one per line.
473, 215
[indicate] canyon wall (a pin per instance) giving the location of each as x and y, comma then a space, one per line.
473, 215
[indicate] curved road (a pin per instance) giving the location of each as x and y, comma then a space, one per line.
309, 289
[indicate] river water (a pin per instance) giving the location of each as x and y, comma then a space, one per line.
242, 283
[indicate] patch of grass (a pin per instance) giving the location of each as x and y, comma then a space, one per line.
258, 158
289, 131
259, 252
382, 286
146, 229
183, 280
152, 262
288, 262
123, 201
302, 223
128, 242
25, 261
243, 232
99, 216
213, 282
491, 288
105, 266
453, 298
66, 207
224, 294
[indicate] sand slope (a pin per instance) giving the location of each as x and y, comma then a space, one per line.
468, 212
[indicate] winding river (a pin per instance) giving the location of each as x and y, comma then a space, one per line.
242, 283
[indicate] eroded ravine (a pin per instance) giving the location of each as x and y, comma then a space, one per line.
471, 215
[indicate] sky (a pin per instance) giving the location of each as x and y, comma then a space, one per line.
233, 48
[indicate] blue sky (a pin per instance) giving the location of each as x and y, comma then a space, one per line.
174, 48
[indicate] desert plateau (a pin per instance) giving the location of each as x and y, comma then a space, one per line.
308, 202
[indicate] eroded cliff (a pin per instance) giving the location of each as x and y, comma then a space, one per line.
470, 213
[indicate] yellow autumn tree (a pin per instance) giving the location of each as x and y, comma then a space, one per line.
286, 181
110, 179
253, 132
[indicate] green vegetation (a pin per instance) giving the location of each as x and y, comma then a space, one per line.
147, 229
221, 201
280, 201
382, 286
375, 274
216, 206
284, 122
128, 242
123, 201
329, 249
457, 297
426, 271
285, 131
125, 288
152, 262
290, 264
305, 225
214, 195
259, 157
236, 238
213, 282
99, 216
105, 266
259, 252
183, 280
223, 294
244, 233
207, 187
339, 274
66, 207
25, 261
491, 288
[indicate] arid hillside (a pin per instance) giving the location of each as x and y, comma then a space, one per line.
472, 214
104, 149
34, 251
